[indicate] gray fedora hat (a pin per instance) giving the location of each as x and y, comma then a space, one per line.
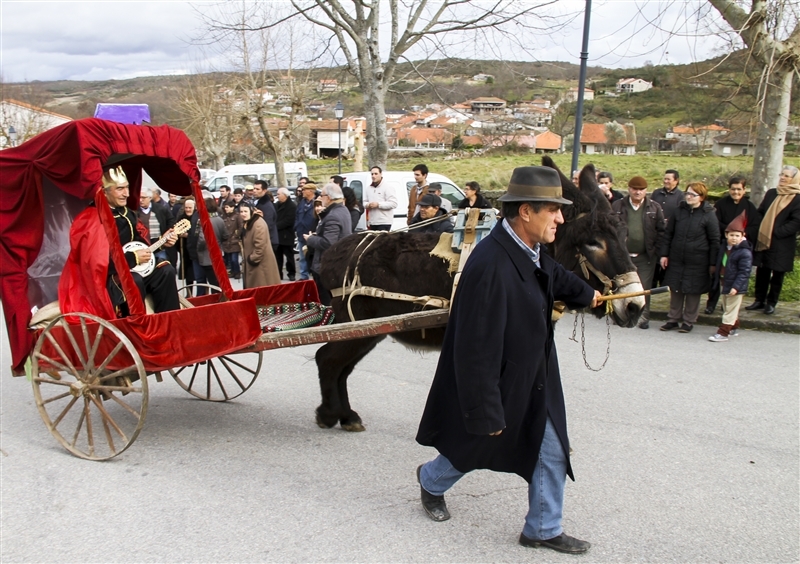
534, 184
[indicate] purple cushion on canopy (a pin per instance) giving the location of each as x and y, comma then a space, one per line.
123, 113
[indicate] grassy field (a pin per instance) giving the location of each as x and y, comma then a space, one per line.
494, 171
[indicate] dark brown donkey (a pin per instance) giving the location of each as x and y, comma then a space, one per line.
401, 262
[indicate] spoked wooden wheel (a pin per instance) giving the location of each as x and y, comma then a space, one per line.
90, 386
222, 378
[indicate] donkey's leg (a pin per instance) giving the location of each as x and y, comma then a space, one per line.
333, 359
329, 366
350, 420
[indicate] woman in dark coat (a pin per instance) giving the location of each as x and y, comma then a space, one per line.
231, 247
689, 255
777, 239
474, 197
258, 260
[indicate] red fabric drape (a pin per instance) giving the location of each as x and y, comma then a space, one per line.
72, 157
175, 338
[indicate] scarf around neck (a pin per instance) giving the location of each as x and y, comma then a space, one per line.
785, 196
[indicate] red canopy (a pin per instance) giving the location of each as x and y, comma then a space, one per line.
46, 182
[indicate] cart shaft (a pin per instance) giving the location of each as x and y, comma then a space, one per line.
352, 330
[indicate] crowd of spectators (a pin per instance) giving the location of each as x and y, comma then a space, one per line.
678, 239
675, 238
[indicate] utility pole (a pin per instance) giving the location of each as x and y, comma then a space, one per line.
576, 142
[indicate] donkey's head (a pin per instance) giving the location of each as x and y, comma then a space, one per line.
589, 243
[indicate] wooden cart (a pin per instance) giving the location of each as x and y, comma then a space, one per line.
90, 374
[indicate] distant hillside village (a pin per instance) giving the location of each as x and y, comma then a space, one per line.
541, 124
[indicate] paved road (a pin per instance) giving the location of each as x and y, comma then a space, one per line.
685, 451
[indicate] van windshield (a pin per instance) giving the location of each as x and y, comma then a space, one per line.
244, 178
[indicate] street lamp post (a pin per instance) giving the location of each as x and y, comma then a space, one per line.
12, 135
338, 111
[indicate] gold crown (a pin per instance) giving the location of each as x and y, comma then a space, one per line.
114, 177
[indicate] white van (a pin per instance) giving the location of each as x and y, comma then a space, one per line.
402, 181
237, 176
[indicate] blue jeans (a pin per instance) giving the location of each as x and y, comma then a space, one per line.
545, 492
304, 275
199, 277
232, 262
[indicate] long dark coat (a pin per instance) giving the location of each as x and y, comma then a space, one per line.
780, 255
498, 368
258, 260
285, 222
691, 242
728, 210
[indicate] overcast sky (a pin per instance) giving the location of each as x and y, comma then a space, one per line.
100, 40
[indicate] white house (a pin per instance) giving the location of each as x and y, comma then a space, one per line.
325, 137
734, 143
631, 85
572, 94
594, 139
26, 120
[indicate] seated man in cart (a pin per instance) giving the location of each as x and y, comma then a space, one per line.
89, 265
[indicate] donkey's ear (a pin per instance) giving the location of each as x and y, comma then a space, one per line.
588, 179
548, 162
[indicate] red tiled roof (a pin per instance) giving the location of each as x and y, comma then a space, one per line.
441, 120
595, 134
425, 135
487, 99
548, 141
472, 139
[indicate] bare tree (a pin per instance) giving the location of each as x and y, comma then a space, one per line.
615, 136
771, 31
269, 90
356, 26
208, 115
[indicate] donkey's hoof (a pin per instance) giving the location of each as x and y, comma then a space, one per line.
322, 424
355, 427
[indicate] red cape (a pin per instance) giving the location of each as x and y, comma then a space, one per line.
82, 286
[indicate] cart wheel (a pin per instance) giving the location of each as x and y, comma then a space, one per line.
222, 378
188, 289
94, 398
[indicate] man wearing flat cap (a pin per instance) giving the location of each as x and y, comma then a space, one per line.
430, 208
644, 222
496, 400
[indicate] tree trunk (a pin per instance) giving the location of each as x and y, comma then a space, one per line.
280, 170
771, 132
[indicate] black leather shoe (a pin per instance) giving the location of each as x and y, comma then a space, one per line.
433, 505
669, 326
769, 309
644, 325
686, 328
561, 543
755, 305
708, 310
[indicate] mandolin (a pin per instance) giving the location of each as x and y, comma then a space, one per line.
146, 268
